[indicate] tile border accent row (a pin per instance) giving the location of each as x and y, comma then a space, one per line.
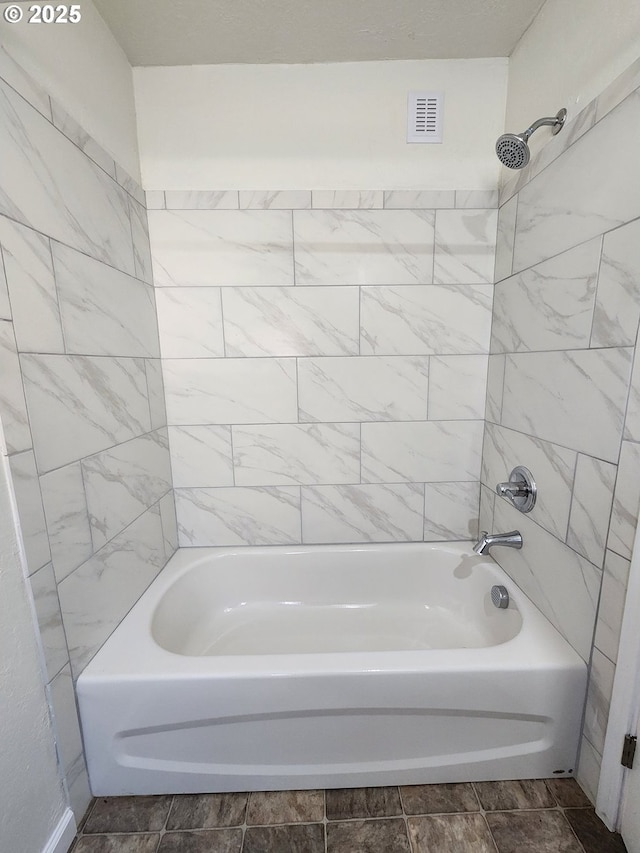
231, 199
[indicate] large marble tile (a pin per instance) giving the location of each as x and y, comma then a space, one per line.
232, 390
67, 727
97, 595
155, 200
190, 322
423, 320
347, 199
5, 305
589, 769
32, 288
363, 247
362, 389
466, 199
199, 200
155, 392
617, 311
45, 597
487, 505
65, 508
618, 90
291, 321
80, 405
380, 513
213, 247
457, 387
465, 246
419, 199
505, 237
426, 451
169, 521
296, 454
124, 481
13, 409
201, 456
549, 306
130, 184
140, 238
601, 676
104, 311
30, 511
626, 501
52, 186
76, 134
13, 73
552, 467
238, 516
560, 582
576, 398
495, 388
591, 507
561, 207
275, 199
451, 511
612, 600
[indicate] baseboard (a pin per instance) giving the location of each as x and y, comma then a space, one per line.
62, 836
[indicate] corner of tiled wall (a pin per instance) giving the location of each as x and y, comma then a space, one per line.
562, 398
82, 400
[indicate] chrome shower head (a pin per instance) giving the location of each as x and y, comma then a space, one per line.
513, 148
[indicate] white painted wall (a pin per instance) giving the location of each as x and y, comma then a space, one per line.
32, 800
86, 71
569, 54
334, 126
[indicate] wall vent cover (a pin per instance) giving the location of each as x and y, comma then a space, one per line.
425, 117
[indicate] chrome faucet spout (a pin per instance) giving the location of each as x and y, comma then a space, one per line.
513, 539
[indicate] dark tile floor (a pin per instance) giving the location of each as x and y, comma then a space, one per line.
531, 816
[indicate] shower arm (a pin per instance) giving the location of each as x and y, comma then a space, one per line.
551, 121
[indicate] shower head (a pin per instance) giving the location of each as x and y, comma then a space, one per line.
513, 148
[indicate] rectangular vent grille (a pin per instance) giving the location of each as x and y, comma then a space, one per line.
425, 117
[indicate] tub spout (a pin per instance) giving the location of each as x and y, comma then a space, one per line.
513, 539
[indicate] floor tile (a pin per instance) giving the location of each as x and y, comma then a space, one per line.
526, 794
128, 814
205, 811
568, 793
368, 836
117, 844
532, 832
300, 838
438, 799
269, 807
592, 832
346, 803
456, 833
202, 841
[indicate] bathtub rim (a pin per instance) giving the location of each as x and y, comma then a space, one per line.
131, 653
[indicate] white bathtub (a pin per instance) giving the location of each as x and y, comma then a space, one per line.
316, 667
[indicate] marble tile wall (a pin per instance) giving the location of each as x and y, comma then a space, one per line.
563, 384
325, 357
81, 395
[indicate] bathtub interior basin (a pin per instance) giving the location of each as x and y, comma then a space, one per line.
310, 602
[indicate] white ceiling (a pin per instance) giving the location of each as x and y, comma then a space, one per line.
202, 32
